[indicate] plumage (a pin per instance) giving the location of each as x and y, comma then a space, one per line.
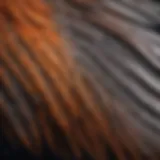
81, 77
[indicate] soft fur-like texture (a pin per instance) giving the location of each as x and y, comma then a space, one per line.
50, 93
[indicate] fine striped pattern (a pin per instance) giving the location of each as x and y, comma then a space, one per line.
81, 77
